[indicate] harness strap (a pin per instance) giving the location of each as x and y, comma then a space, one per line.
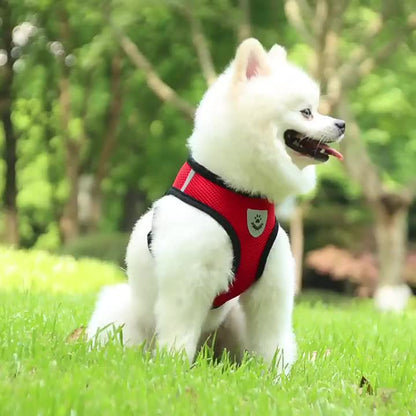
149, 241
248, 220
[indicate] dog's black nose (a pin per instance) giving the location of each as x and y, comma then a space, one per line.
341, 125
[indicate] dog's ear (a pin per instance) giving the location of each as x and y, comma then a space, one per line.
277, 54
250, 61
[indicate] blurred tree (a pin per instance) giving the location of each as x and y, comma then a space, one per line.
99, 137
88, 81
349, 42
109, 140
69, 219
7, 50
321, 24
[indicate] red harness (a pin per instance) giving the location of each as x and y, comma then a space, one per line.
249, 221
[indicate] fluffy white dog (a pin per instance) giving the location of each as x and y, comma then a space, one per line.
210, 255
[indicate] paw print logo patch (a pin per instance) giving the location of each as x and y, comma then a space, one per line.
256, 221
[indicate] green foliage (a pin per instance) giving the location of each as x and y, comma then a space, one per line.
106, 247
336, 215
384, 104
151, 135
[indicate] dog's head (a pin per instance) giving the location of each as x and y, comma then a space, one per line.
262, 123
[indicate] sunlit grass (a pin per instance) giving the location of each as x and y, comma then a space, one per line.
41, 373
40, 271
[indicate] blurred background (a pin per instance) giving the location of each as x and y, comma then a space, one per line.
97, 100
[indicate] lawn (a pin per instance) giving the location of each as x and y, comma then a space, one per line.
43, 372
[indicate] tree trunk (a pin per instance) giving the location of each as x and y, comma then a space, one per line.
390, 220
69, 221
391, 216
109, 140
297, 243
134, 204
10, 189
10, 156
244, 27
96, 206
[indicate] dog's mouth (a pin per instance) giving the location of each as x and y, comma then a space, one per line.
310, 147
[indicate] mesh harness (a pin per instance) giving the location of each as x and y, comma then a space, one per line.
249, 221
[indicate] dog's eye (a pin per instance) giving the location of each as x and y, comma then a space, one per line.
307, 113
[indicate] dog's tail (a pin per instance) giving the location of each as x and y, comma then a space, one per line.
114, 315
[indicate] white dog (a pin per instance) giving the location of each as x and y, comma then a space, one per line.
210, 255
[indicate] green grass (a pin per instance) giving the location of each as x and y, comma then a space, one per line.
39, 271
339, 342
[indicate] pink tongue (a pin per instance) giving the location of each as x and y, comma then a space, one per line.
331, 151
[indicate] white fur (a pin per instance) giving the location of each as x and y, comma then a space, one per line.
238, 135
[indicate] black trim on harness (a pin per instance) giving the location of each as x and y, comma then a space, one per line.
235, 242
149, 241
266, 251
212, 177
